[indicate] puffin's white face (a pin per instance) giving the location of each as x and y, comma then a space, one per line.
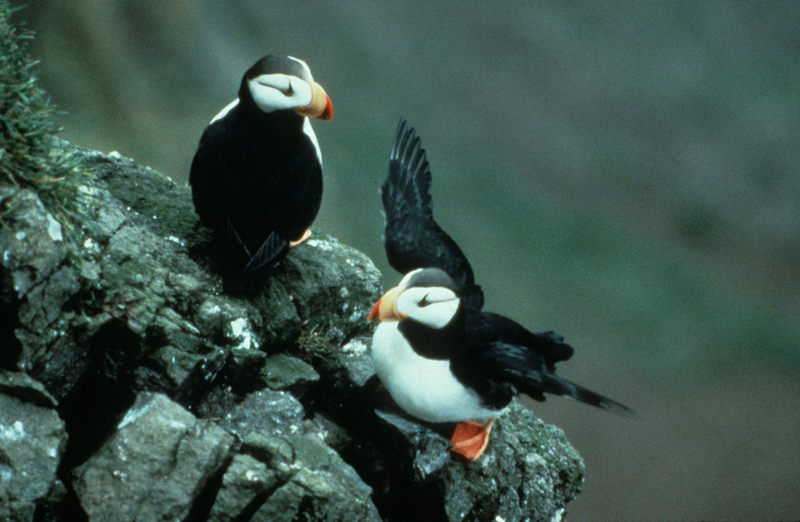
273, 92
280, 91
433, 306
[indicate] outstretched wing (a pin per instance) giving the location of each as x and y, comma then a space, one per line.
412, 238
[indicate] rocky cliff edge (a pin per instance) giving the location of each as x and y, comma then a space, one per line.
131, 388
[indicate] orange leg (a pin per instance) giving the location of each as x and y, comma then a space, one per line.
306, 235
470, 438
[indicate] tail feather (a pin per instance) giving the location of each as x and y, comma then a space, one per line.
243, 273
267, 253
565, 388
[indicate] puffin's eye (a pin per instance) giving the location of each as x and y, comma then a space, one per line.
432, 306
435, 296
289, 90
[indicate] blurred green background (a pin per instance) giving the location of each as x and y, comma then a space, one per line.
623, 173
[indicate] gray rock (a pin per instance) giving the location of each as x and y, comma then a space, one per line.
33, 246
26, 389
32, 440
283, 371
541, 474
310, 480
429, 449
339, 295
321, 486
528, 472
265, 411
355, 358
155, 465
247, 482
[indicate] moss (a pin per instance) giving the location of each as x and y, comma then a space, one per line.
28, 157
315, 343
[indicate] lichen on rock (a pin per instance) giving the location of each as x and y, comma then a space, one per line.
32, 437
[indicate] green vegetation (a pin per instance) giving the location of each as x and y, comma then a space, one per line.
27, 156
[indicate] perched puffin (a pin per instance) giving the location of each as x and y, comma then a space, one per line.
441, 357
257, 174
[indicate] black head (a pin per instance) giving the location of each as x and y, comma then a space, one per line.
272, 64
429, 277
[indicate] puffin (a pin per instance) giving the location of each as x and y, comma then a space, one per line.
439, 355
256, 177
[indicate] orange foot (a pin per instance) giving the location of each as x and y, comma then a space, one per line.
306, 235
470, 438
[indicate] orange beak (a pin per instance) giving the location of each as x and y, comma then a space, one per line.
327, 113
386, 307
320, 107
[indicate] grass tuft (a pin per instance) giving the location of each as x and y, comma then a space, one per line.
29, 155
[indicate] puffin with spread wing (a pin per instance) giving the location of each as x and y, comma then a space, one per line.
441, 358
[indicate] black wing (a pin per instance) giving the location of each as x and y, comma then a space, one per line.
412, 238
507, 352
527, 372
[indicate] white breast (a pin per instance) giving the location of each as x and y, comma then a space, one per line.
423, 388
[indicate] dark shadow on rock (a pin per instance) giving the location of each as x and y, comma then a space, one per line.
102, 394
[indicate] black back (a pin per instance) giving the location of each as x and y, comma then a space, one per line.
256, 177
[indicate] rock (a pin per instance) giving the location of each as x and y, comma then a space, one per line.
245, 486
32, 439
321, 486
528, 472
184, 403
310, 480
344, 285
542, 472
429, 448
155, 466
36, 247
282, 371
265, 411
